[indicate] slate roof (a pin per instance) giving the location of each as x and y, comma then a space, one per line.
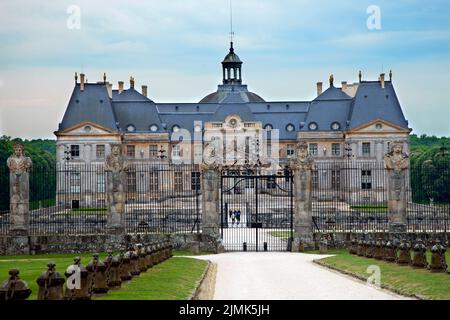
90, 105
371, 102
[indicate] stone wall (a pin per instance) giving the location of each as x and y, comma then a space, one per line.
100, 243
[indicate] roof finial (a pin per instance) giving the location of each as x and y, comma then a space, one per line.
104, 77
390, 75
76, 77
231, 25
360, 75
131, 82
331, 80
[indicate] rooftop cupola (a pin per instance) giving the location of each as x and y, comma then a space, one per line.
232, 66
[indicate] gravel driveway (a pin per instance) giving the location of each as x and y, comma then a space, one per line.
285, 276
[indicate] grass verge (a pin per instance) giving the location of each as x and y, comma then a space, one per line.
175, 278
401, 279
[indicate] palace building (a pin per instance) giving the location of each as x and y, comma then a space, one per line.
356, 121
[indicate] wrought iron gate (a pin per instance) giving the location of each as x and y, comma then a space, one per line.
256, 211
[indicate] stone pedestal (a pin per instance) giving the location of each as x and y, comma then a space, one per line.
19, 189
397, 163
303, 232
116, 180
211, 209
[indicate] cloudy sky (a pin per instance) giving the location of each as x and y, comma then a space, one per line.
175, 47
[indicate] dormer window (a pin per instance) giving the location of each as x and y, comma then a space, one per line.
313, 126
176, 128
335, 126
153, 128
268, 127
290, 127
131, 128
197, 128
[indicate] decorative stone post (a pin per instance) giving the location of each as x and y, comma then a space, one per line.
19, 186
211, 169
302, 167
396, 163
116, 169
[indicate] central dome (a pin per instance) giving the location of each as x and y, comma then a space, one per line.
232, 94
232, 90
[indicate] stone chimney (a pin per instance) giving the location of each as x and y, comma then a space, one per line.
82, 81
144, 91
344, 85
131, 82
109, 88
319, 88
120, 87
382, 80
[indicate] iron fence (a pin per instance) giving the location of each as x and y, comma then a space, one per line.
4, 199
351, 196
163, 198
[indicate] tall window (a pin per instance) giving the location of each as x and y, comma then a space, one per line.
290, 150
153, 151
75, 151
269, 150
100, 151
336, 149
313, 149
335, 179
131, 181
178, 181
315, 179
195, 180
366, 149
131, 151
75, 182
100, 182
176, 151
247, 148
366, 179
153, 181
198, 151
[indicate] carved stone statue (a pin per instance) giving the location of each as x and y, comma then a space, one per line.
397, 163
19, 167
211, 157
302, 166
303, 160
116, 168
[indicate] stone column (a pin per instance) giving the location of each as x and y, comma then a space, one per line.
302, 167
19, 168
19, 212
211, 171
211, 202
116, 169
397, 163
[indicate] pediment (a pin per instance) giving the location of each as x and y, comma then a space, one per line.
87, 128
379, 126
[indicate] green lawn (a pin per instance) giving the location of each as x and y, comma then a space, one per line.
175, 278
281, 234
403, 279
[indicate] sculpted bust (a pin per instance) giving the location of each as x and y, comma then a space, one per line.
211, 159
396, 160
303, 160
17, 162
115, 162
